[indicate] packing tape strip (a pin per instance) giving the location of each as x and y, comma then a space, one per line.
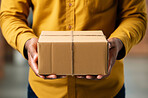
72, 53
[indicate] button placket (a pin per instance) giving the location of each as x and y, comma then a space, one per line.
70, 4
70, 27
71, 92
70, 15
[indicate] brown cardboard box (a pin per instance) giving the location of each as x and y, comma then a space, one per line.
72, 53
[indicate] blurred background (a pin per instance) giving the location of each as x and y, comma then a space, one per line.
14, 70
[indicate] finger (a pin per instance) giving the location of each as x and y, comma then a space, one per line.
110, 66
99, 76
33, 66
35, 58
109, 45
102, 76
33, 52
80, 76
61, 76
51, 76
90, 77
111, 58
41, 76
109, 61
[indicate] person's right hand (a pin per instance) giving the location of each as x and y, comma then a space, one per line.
31, 47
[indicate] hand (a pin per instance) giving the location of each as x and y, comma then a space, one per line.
31, 47
115, 45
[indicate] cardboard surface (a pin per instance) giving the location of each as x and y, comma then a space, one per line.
72, 53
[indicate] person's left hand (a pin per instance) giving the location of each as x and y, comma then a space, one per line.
115, 45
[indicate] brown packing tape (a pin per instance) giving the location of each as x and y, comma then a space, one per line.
72, 53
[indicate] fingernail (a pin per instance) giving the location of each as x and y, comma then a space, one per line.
52, 78
48, 77
63, 76
99, 77
79, 77
35, 56
109, 45
88, 77
42, 77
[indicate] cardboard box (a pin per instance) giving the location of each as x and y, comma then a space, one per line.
72, 53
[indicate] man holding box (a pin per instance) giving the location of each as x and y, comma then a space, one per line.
122, 21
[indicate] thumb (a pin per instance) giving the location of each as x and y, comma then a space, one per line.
31, 46
109, 44
35, 57
33, 52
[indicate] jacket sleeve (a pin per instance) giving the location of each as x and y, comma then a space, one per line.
131, 24
13, 21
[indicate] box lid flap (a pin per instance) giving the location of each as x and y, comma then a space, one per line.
90, 39
72, 36
88, 33
44, 39
55, 33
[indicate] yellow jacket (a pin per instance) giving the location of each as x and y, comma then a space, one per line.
123, 19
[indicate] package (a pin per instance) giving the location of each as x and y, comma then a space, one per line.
72, 53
